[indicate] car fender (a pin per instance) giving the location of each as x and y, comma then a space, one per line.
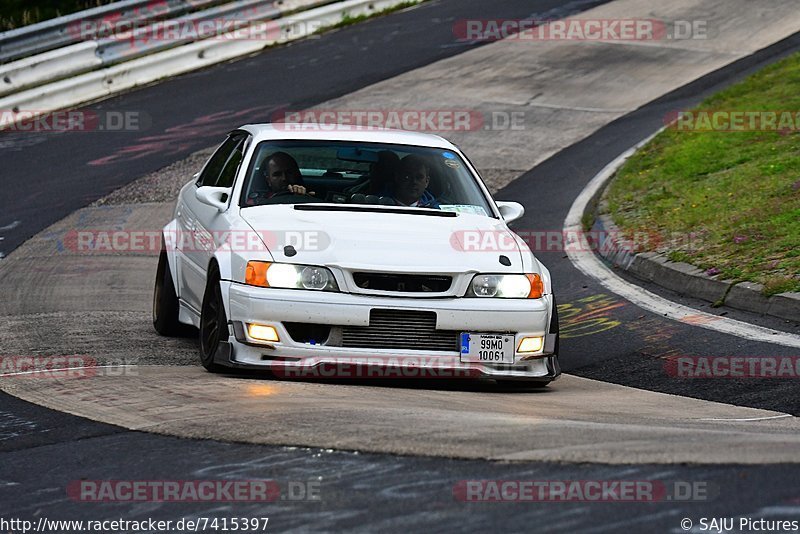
531, 264
232, 263
169, 245
544, 272
547, 280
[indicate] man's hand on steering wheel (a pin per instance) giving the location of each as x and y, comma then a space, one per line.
298, 190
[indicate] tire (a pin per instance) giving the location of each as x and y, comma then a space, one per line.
213, 321
165, 300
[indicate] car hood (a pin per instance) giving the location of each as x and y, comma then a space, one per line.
376, 239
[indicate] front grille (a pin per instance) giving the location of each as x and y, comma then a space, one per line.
408, 283
401, 330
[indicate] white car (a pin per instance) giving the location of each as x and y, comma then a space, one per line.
299, 248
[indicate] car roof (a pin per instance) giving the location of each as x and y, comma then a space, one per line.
313, 132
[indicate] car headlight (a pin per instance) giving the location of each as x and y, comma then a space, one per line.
507, 286
289, 276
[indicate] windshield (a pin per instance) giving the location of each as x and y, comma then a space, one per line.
295, 172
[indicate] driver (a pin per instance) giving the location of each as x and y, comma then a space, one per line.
410, 184
282, 174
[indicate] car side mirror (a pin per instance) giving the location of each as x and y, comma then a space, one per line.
510, 211
216, 197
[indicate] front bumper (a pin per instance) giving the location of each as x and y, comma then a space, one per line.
289, 358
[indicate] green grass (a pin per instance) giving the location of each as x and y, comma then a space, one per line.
348, 20
727, 202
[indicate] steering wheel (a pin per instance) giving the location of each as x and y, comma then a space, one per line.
282, 197
287, 192
266, 194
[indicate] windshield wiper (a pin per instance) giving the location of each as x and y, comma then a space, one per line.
375, 209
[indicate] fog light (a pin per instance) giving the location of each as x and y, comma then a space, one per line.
262, 333
531, 344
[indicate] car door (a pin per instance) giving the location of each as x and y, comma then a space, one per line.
201, 224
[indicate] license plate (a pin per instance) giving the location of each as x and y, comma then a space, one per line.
487, 348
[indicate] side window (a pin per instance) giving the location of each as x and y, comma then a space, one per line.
228, 173
217, 164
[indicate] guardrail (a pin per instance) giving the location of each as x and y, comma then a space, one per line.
58, 32
81, 75
78, 58
238, 13
49, 66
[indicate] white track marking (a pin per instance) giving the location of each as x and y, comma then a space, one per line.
3, 229
9, 226
589, 264
747, 419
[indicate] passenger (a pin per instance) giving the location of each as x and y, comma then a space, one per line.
282, 175
410, 184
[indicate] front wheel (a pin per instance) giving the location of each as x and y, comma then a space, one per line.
213, 322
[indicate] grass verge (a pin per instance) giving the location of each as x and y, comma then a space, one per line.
725, 201
348, 20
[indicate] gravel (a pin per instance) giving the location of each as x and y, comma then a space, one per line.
160, 186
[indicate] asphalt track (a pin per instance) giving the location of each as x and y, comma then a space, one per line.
191, 112
369, 492
358, 492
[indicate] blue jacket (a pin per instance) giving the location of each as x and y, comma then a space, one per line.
427, 200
